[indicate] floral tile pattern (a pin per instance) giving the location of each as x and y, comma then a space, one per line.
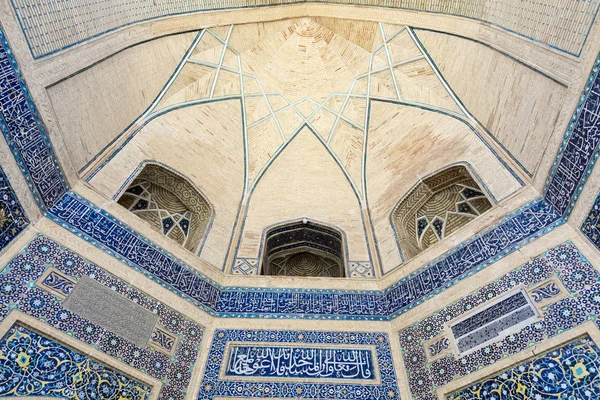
12, 216
35, 365
571, 371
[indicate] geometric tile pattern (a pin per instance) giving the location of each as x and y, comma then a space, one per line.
361, 269
563, 262
49, 27
578, 152
12, 216
18, 290
245, 266
571, 371
34, 365
25, 134
218, 380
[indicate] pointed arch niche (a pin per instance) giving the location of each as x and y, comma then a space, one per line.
170, 204
303, 181
304, 248
436, 207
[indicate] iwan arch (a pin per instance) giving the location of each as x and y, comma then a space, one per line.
245, 200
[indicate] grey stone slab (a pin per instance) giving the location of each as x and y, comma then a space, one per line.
107, 308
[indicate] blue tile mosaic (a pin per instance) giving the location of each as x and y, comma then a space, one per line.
591, 225
579, 150
318, 383
76, 214
57, 283
12, 216
22, 288
564, 263
284, 362
35, 365
571, 371
100, 228
25, 133
545, 292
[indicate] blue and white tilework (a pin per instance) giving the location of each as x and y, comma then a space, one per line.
35, 365
284, 362
563, 262
361, 269
315, 384
579, 150
80, 216
25, 133
245, 266
20, 289
100, 228
12, 216
571, 371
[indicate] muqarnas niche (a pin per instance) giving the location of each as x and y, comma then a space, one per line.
170, 204
304, 248
437, 207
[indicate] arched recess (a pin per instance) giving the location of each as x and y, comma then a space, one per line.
170, 203
303, 248
203, 142
406, 144
304, 180
437, 206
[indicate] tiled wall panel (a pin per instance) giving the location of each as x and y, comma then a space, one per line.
41, 276
567, 294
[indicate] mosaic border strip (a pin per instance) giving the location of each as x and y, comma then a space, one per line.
579, 150
591, 225
13, 220
43, 34
25, 134
101, 229
214, 385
